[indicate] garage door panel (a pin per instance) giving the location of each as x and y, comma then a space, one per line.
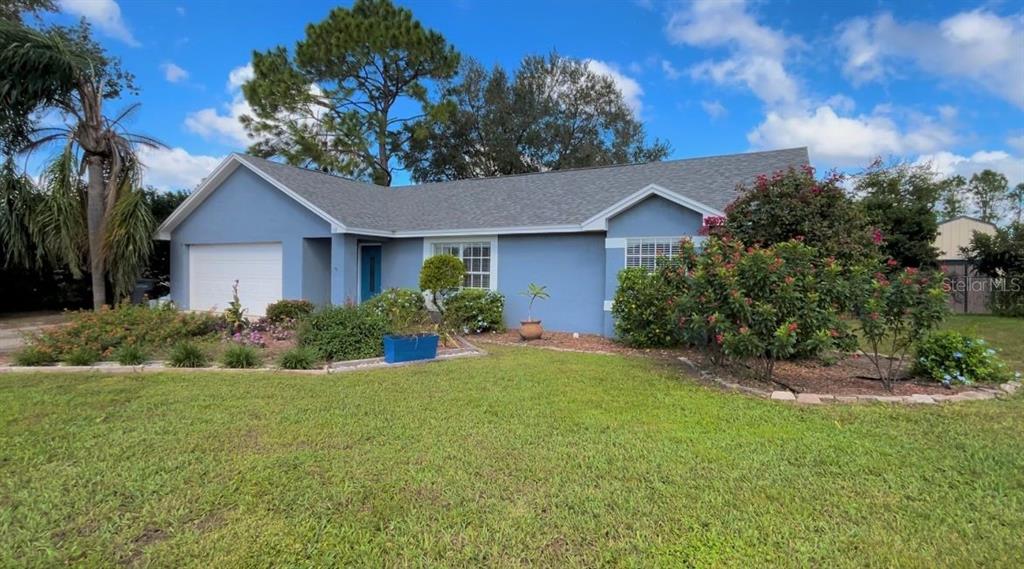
213, 269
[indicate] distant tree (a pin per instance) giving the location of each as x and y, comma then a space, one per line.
332, 104
989, 189
555, 113
1016, 196
794, 205
952, 197
15, 10
899, 200
1001, 255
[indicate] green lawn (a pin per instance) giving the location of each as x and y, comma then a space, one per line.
1006, 334
525, 456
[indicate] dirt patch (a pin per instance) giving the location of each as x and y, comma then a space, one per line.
136, 552
209, 522
590, 343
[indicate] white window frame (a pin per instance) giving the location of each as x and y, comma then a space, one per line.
673, 243
492, 240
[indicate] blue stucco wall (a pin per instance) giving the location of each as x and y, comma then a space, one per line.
246, 209
400, 267
344, 268
571, 265
655, 217
316, 270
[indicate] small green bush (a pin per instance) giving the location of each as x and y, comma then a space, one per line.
345, 333
186, 354
241, 356
404, 309
82, 356
33, 356
441, 276
472, 310
284, 311
298, 358
951, 357
643, 311
130, 355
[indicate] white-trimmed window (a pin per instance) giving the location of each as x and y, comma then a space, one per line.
479, 256
644, 252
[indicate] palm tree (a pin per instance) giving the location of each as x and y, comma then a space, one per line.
65, 71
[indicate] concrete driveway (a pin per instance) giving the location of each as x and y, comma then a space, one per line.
14, 326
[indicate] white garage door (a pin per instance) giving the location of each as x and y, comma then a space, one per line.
213, 269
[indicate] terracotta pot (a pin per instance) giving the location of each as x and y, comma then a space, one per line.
530, 330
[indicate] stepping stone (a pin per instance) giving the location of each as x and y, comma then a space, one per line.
783, 396
1010, 388
847, 398
808, 399
921, 398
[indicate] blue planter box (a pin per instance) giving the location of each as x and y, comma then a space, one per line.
410, 348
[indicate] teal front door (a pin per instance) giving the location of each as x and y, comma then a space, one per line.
369, 271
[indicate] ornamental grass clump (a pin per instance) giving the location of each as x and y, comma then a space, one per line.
241, 356
298, 358
130, 355
186, 354
761, 304
82, 356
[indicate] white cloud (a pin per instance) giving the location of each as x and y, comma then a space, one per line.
180, 10
173, 73
629, 87
756, 53
949, 163
849, 141
670, 70
977, 46
224, 124
175, 168
714, 109
239, 75
104, 14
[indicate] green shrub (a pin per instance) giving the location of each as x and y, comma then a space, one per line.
284, 311
345, 333
298, 358
107, 329
442, 275
241, 356
82, 356
404, 309
130, 355
186, 354
33, 356
472, 310
951, 357
644, 316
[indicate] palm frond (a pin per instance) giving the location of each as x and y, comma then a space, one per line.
18, 201
129, 239
59, 225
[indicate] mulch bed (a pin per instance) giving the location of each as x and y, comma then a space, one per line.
849, 376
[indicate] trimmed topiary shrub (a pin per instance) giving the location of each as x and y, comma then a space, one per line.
298, 358
345, 333
284, 311
186, 354
82, 356
130, 355
473, 310
951, 357
441, 276
33, 356
241, 356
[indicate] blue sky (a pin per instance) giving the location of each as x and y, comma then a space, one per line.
923, 81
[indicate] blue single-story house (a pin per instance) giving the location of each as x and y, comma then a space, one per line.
286, 232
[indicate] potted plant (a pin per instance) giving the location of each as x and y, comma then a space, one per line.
531, 329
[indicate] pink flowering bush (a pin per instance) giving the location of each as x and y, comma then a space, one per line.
762, 304
894, 311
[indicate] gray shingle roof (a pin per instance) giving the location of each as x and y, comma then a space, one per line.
565, 197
